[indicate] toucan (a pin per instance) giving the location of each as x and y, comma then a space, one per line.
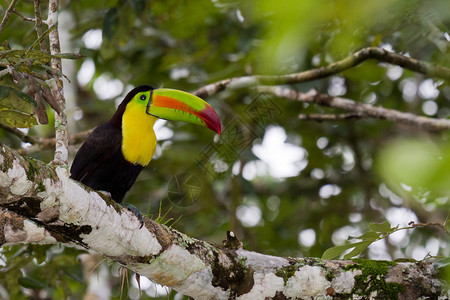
115, 153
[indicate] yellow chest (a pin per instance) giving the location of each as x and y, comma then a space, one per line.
138, 136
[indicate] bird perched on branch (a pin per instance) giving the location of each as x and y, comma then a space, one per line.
116, 152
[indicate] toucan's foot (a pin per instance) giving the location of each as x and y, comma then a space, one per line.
135, 211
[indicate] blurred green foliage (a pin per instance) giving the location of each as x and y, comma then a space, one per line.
337, 191
422, 165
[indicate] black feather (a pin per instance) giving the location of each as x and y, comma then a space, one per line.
100, 163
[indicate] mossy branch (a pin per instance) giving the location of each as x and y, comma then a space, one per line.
351, 61
48, 207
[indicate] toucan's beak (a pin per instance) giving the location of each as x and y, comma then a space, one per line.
177, 105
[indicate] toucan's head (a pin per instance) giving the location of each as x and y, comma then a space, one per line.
169, 104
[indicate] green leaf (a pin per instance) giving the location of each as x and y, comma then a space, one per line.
43, 36
39, 252
369, 236
5, 46
4, 92
384, 227
138, 6
110, 23
31, 283
77, 277
12, 118
443, 262
10, 281
69, 55
443, 267
359, 248
12, 102
419, 163
336, 251
24, 96
12, 55
38, 57
51, 70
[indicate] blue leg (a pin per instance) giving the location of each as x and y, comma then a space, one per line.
133, 208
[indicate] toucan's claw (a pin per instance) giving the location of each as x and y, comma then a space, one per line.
133, 209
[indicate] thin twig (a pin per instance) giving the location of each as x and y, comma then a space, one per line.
357, 107
49, 143
41, 38
38, 26
40, 144
23, 17
330, 117
7, 14
22, 136
441, 226
351, 61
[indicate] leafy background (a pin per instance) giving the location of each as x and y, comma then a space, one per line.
284, 186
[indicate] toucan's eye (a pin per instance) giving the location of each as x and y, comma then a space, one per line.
143, 97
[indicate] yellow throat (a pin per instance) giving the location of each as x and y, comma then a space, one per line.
138, 136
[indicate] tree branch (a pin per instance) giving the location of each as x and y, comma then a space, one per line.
40, 144
351, 61
22, 136
7, 14
65, 211
357, 107
49, 143
330, 117
16, 229
23, 17
61, 135
439, 225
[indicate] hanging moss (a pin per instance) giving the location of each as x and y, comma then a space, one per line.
373, 279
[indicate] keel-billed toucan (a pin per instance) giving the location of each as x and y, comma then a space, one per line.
115, 153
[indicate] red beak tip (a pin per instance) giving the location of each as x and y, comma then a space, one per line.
212, 120
219, 130
216, 128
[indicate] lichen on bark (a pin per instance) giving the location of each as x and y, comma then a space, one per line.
372, 280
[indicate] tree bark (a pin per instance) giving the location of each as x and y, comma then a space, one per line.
61, 135
41, 204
